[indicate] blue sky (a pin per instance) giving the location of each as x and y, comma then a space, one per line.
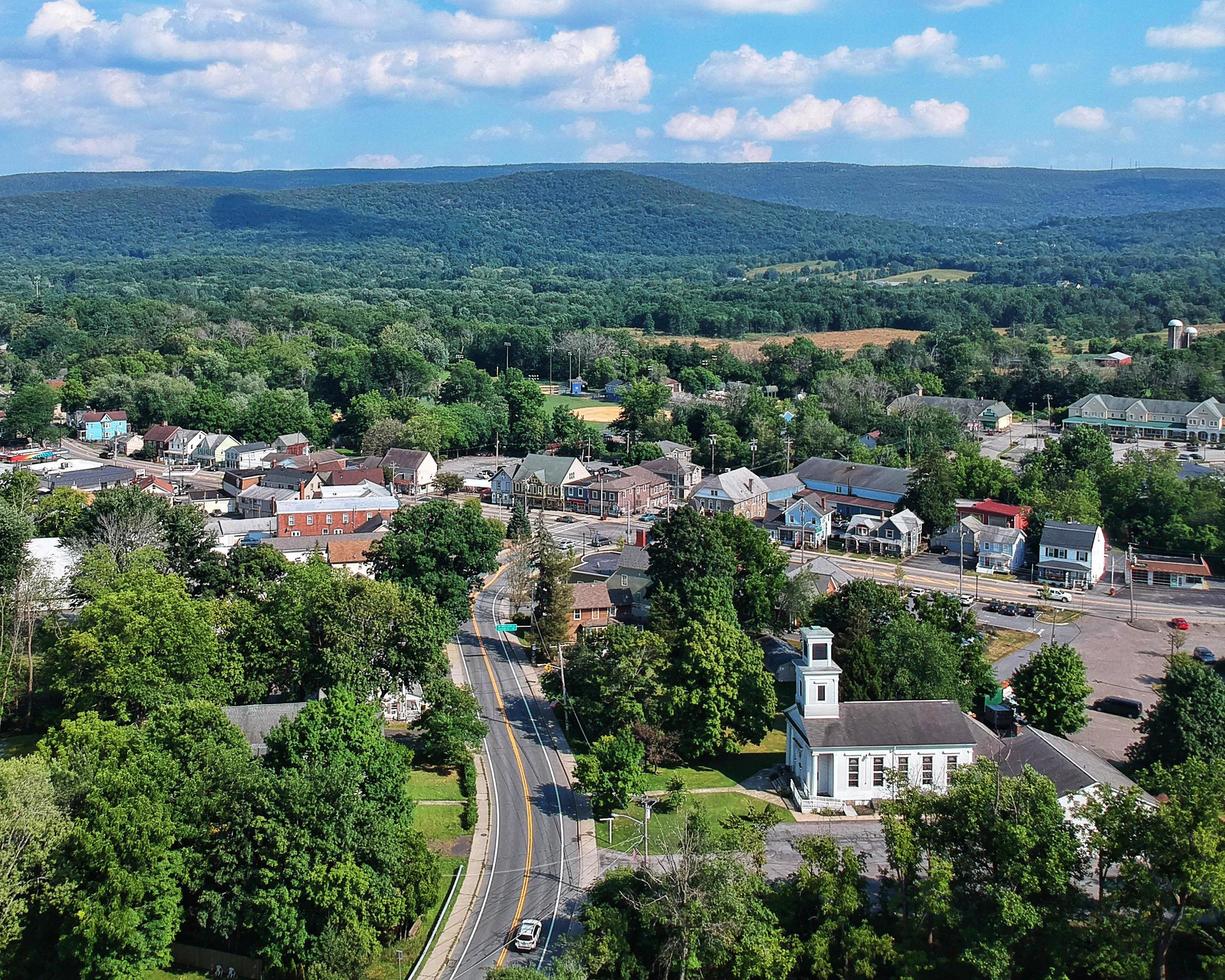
240, 84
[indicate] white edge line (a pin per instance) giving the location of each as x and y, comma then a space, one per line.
561, 824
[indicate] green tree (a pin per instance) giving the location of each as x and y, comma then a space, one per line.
717, 694
32, 825
1050, 689
16, 529
337, 862
449, 483
440, 548
641, 405
518, 528
29, 412
112, 907
527, 420
554, 595
276, 412
143, 644
451, 726
692, 568
1003, 864
611, 772
761, 571
932, 490
1188, 720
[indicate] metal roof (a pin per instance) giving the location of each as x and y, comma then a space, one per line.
883, 479
1056, 534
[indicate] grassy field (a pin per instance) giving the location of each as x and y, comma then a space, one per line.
748, 348
731, 769
935, 275
596, 411
785, 268
439, 823
1002, 641
627, 835
435, 784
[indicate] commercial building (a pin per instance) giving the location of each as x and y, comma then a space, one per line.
1150, 418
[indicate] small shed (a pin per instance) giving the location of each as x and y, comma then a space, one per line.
577, 386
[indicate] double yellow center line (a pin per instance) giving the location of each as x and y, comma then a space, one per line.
514, 745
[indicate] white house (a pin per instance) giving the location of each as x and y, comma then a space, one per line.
182, 443
248, 456
1071, 554
844, 752
413, 471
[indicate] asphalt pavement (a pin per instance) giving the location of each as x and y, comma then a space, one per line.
533, 868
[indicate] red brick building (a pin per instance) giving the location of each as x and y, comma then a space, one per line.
331, 515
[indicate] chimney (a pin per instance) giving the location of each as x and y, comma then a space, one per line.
918, 390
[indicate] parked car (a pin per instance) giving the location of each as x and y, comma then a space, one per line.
649, 518
1204, 655
1170, 445
601, 540
1028, 610
1179, 623
1011, 609
1184, 456
1124, 707
1198, 457
966, 600
994, 606
939, 549
527, 936
252, 538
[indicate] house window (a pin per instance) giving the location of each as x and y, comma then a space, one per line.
928, 770
289, 521
878, 770
1082, 556
950, 766
820, 692
329, 519
578, 614
344, 518
310, 520
852, 772
903, 768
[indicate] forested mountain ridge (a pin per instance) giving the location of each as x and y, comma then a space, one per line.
530, 219
962, 196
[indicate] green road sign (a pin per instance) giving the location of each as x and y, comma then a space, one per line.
506, 628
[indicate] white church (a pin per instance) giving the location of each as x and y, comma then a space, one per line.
842, 752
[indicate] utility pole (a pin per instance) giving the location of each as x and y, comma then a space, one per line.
1048, 410
712, 440
753, 457
1131, 587
506, 344
961, 560
788, 442
565, 704
1033, 423
497, 453
551, 348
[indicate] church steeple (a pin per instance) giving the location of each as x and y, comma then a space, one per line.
817, 676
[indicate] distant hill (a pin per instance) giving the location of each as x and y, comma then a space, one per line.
953, 196
595, 218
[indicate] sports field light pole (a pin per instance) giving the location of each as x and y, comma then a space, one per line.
712, 440
506, 344
753, 457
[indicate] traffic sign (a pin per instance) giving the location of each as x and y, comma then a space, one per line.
506, 628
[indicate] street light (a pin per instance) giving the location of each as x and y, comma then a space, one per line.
753, 458
712, 440
506, 344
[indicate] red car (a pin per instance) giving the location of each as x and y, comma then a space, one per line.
1179, 623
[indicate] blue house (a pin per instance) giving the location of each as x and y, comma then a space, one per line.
807, 521
502, 488
101, 426
780, 489
855, 488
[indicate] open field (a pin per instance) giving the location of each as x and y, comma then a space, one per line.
785, 268
749, 347
430, 783
593, 410
919, 276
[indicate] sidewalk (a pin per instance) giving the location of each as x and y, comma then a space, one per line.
474, 874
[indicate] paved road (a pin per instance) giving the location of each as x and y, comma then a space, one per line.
204, 479
533, 866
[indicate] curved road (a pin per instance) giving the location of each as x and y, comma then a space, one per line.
532, 868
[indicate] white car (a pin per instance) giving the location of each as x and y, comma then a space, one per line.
527, 936
1058, 595
966, 600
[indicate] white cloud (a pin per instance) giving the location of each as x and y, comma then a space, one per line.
695, 127
621, 86
809, 116
583, 128
987, 161
1040, 72
522, 8
513, 130
758, 6
1087, 118
61, 19
956, 6
513, 63
611, 153
1205, 29
747, 70
1157, 73
282, 134
643, 133
116, 151
747, 152
1158, 108
376, 161
1213, 104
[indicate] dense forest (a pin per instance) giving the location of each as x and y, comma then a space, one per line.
973, 197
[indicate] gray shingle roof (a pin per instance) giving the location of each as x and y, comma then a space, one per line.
1069, 766
1070, 535
885, 479
1158, 406
885, 724
549, 470
738, 484
255, 721
634, 559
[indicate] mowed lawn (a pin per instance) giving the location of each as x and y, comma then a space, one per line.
439, 822
594, 411
727, 770
665, 826
434, 784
